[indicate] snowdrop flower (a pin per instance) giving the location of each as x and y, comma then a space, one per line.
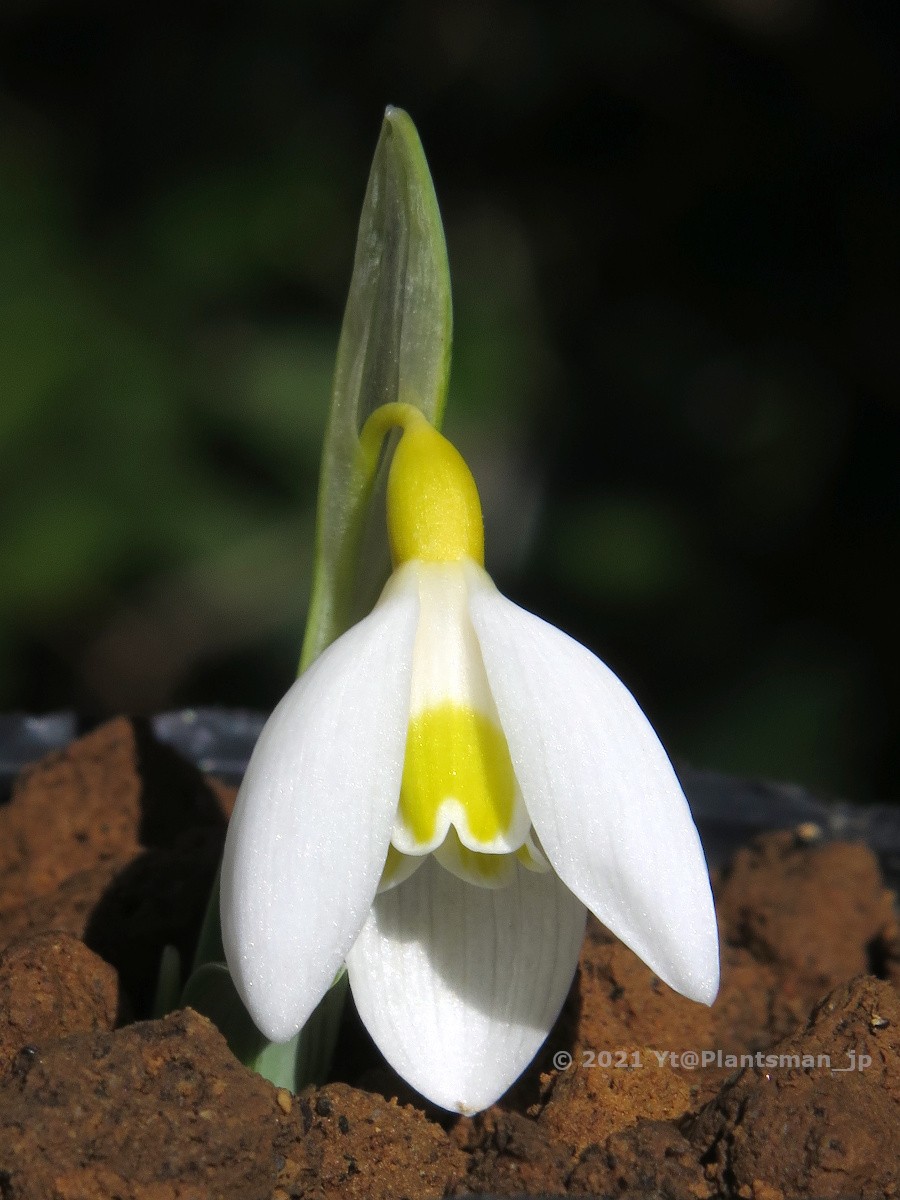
435, 802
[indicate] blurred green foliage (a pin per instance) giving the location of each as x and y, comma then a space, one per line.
673, 237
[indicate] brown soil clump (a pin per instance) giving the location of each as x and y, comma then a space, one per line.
590, 1102
820, 1115
623, 1005
115, 840
109, 794
352, 1144
107, 852
164, 1112
511, 1155
811, 909
51, 986
650, 1159
160, 1109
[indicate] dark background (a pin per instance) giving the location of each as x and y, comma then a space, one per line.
673, 237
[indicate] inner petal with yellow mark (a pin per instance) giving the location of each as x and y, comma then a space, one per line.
457, 771
459, 796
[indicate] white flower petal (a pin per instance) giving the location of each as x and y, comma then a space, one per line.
459, 985
601, 792
311, 827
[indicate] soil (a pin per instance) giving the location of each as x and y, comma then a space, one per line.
107, 853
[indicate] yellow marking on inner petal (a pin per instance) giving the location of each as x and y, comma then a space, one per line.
397, 868
392, 866
454, 752
528, 858
484, 870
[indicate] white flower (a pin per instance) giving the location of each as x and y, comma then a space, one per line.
437, 799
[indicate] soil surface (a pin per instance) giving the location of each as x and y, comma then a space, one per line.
788, 1086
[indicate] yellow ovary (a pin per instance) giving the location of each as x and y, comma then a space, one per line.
434, 514
433, 510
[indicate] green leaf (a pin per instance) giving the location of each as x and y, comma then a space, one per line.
305, 1059
209, 943
168, 982
394, 345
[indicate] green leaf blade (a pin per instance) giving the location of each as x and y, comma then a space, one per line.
395, 344
305, 1059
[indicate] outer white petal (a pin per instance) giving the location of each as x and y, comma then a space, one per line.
601, 792
310, 830
459, 985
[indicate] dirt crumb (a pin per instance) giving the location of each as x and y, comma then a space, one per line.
51, 986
